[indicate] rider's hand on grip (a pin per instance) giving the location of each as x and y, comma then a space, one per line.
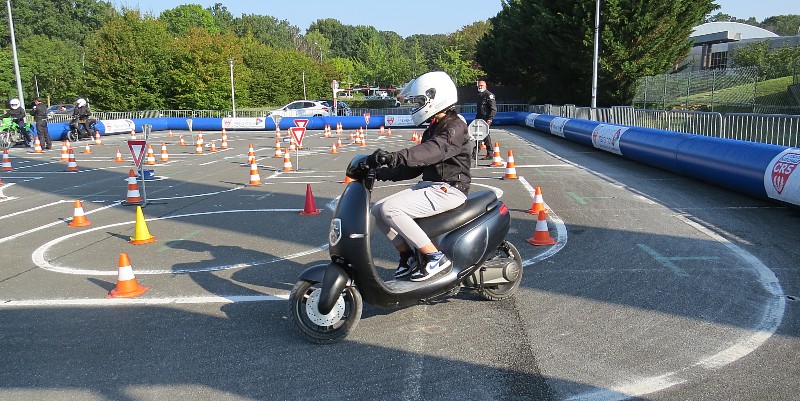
379, 158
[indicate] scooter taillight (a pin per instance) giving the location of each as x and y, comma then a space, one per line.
503, 209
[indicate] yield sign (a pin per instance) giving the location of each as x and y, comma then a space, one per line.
298, 133
137, 150
301, 122
366, 118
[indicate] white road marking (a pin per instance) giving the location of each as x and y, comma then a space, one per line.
94, 302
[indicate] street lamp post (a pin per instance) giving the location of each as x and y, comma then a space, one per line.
233, 92
596, 57
14, 54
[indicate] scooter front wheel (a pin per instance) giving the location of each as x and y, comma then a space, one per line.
498, 292
317, 327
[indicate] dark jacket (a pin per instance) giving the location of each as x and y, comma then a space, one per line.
81, 113
17, 114
39, 111
443, 156
487, 106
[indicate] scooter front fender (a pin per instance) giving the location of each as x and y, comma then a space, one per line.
333, 278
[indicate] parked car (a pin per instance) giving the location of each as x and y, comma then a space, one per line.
60, 109
342, 108
304, 108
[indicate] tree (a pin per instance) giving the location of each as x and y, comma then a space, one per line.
267, 30
62, 20
222, 17
772, 63
184, 17
54, 66
638, 38
784, 25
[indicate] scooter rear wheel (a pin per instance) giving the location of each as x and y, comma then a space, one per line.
504, 291
316, 327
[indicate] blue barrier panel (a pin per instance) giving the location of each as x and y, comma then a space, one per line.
760, 170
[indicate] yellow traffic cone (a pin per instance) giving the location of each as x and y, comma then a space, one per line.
141, 233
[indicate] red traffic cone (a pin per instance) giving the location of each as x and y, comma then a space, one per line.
127, 286
538, 203
310, 207
78, 217
541, 236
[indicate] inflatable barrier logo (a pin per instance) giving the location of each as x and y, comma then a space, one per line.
780, 181
606, 137
557, 126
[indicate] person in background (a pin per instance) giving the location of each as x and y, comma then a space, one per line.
18, 114
80, 117
39, 113
487, 108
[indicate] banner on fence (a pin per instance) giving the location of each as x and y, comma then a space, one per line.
118, 126
244, 123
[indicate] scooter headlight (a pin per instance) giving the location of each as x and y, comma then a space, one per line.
335, 234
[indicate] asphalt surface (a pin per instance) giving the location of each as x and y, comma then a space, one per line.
660, 287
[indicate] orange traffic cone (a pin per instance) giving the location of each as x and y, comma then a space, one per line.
333, 149
381, 130
251, 155
255, 178
538, 202
278, 151
170, 134
287, 162
133, 196
496, 159
310, 206
119, 158
339, 143
78, 217
65, 151
164, 154
541, 236
37, 146
199, 144
388, 132
483, 146
6, 161
141, 235
97, 140
213, 147
127, 286
87, 150
511, 171
151, 157
133, 134
72, 165
224, 144
182, 142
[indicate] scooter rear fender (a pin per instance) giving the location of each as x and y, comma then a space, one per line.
334, 279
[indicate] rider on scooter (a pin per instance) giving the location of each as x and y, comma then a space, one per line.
80, 119
18, 115
442, 158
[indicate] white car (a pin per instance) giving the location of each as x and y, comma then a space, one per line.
304, 108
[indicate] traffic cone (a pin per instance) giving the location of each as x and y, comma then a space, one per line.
87, 150
358, 140
224, 144
72, 165
127, 286
151, 157
333, 149
389, 131
339, 143
287, 162
37, 146
497, 160
255, 178
483, 146
278, 151
541, 235
199, 144
97, 140
182, 142
511, 171
133, 195
538, 202
141, 235
78, 217
133, 134
310, 206
339, 129
6, 161
292, 147
251, 155
65, 151
119, 158
164, 154
213, 147
170, 134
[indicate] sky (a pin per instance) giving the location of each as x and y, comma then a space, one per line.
410, 17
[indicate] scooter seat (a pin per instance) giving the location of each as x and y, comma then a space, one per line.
477, 204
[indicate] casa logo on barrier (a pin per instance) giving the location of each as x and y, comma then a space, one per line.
606, 137
399, 121
244, 123
118, 126
780, 181
530, 119
557, 126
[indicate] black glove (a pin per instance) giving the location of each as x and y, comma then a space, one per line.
379, 158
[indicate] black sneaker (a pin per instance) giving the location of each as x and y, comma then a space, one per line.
408, 264
437, 263
487, 157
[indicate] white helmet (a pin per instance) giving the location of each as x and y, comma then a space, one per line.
80, 102
14, 103
431, 93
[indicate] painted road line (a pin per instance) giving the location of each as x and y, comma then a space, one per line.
561, 229
32, 209
95, 302
40, 228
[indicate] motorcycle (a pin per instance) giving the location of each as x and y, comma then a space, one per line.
11, 133
75, 133
325, 304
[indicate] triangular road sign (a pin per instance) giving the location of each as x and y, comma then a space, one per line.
301, 122
137, 150
298, 133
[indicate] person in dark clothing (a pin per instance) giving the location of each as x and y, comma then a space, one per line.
442, 159
39, 113
17, 114
81, 120
487, 108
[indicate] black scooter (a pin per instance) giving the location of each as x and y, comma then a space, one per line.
326, 303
